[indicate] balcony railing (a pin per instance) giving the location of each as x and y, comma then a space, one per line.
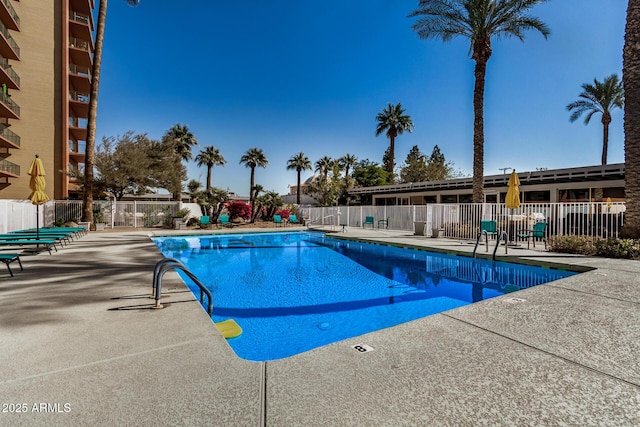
12, 11
79, 43
10, 40
77, 96
77, 123
80, 70
79, 17
9, 136
76, 147
6, 100
9, 167
4, 63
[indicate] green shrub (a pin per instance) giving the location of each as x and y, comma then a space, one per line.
618, 248
572, 245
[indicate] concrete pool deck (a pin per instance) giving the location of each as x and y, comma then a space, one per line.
81, 346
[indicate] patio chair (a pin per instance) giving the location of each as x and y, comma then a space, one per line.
224, 221
205, 220
489, 226
293, 219
384, 222
277, 220
538, 232
8, 259
368, 220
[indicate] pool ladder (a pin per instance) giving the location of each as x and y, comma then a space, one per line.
172, 263
486, 239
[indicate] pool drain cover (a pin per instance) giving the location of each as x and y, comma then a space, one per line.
362, 348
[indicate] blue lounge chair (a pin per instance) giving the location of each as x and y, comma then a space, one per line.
538, 232
224, 221
368, 220
205, 220
293, 219
277, 220
46, 243
8, 259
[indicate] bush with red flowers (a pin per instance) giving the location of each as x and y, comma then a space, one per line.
239, 210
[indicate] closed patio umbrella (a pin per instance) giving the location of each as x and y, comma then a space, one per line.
512, 201
37, 184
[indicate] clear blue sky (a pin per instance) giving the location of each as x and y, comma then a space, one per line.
289, 76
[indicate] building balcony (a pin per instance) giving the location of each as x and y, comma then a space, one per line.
76, 152
79, 104
80, 51
80, 78
8, 47
8, 139
8, 169
7, 75
8, 108
9, 16
82, 6
78, 133
80, 26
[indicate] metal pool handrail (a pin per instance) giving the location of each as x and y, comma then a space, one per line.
506, 243
171, 263
486, 241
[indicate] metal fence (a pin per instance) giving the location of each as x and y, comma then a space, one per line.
462, 221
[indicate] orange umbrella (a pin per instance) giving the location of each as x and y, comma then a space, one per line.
37, 184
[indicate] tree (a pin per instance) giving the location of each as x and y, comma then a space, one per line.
438, 168
348, 161
600, 97
253, 158
324, 165
210, 157
124, 164
169, 172
394, 122
90, 146
213, 201
370, 174
415, 168
299, 162
479, 21
194, 188
181, 139
631, 81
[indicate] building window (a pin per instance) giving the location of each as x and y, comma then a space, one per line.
449, 198
537, 196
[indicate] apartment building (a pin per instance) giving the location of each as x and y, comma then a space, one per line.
46, 55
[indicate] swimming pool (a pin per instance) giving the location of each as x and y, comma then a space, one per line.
292, 292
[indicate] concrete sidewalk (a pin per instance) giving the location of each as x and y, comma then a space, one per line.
81, 346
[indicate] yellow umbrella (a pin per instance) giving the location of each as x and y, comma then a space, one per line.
37, 184
512, 201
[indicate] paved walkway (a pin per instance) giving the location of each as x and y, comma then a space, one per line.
81, 346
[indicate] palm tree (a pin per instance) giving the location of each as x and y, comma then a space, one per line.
210, 157
479, 21
90, 145
183, 140
631, 81
300, 163
348, 161
393, 120
252, 158
599, 97
324, 165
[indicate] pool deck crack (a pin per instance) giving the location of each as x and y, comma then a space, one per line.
570, 361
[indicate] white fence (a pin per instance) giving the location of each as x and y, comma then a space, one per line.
462, 221
20, 214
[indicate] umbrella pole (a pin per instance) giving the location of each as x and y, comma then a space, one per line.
38, 225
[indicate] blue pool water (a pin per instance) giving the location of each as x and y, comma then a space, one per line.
292, 292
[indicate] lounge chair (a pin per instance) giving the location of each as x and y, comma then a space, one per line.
8, 259
489, 226
538, 232
224, 221
46, 243
293, 219
277, 219
384, 222
368, 220
205, 220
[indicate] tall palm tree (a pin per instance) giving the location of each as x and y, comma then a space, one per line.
253, 158
631, 81
348, 161
324, 165
90, 145
393, 120
479, 21
210, 157
183, 140
300, 163
599, 97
